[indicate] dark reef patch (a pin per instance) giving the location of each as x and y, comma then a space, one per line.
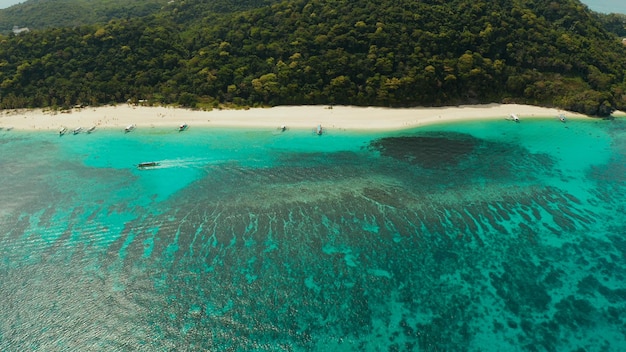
429, 151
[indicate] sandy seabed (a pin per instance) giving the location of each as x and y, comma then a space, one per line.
304, 116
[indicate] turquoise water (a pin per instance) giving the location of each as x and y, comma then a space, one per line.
477, 236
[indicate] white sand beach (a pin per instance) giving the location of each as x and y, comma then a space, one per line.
337, 117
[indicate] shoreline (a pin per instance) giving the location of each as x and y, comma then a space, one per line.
293, 117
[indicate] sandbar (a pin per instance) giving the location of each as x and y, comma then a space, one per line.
297, 117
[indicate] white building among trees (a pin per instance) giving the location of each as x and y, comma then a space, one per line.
17, 30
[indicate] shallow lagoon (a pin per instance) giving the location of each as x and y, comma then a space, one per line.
471, 236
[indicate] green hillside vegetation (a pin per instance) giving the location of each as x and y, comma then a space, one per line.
385, 53
614, 22
41, 14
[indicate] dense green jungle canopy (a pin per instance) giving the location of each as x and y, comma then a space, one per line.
361, 52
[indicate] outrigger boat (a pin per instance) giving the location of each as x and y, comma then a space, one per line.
148, 164
182, 127
77, 130
62, 131
129, 128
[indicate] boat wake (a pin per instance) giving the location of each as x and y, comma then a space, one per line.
177, 163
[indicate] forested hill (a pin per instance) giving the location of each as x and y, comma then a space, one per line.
362, 52
42, 14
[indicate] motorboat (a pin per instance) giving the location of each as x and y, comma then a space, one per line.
130, 128
91, 129
77, 130
182, 127
283, 128
562, 118
319, 130
514, 117
62, 131
148, 164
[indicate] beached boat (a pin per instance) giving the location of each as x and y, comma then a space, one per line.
91, 129
148, 164
129, 128
182, 127
62, 131
562, 118
77, 130
319, 130
514, 117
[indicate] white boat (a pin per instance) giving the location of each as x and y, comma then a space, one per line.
319, 130
62, 131
562, 118
514, 117
77, 130
91, 129
129, 128
182, 127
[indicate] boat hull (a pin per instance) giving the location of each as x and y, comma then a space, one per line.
147, 165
